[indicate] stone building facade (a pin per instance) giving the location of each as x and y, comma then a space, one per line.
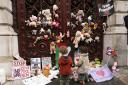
116, 34
8, 38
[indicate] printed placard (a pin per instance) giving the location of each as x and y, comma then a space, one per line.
46, 61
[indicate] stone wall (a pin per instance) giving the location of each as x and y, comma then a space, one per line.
116, 34
8, 38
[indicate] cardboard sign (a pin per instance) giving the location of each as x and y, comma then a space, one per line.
101, 74
21, 72
16, 63
46, 61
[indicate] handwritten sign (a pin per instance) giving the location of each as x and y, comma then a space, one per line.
21, 72
16, 63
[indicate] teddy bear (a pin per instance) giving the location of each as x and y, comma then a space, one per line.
55, 24
52, 47
60, 37
114, 67
77, 39
89, 19
32, 21
46, 70
55, 8
75, 74
80, 15
47, 14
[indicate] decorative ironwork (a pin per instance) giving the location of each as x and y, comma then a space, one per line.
69, 25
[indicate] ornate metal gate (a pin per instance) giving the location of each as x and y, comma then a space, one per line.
35, 35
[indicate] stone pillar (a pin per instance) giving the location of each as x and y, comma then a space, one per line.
8, 38
116, 34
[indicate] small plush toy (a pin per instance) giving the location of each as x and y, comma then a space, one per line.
77, 39
46, 70
75, 74
60, 37
52, 47
104, 26
97, 62
109, 51
42, 30
80, 15
55, 8
48, 16
73, 15
55, 24
68, 34
114, 67
89, 40
49, 31
89, 19
97, 38
32, 21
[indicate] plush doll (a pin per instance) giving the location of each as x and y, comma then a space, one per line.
34, 32
52, 47
46, 70
89, 19
89, 40
42, 30
87, 35
75, 74
59, 38
109, 51
37, 39
97, 62
46, 36
77, 39
80, 15
104, 26
68, 34
32, 21
49, 31
55, 8
114, 67
73, 15
97, 38
55, 24
48, 16
86, 28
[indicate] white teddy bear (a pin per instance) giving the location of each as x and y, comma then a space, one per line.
32, 21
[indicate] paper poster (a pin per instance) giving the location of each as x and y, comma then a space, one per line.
101, 74
20, 72
46, 61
